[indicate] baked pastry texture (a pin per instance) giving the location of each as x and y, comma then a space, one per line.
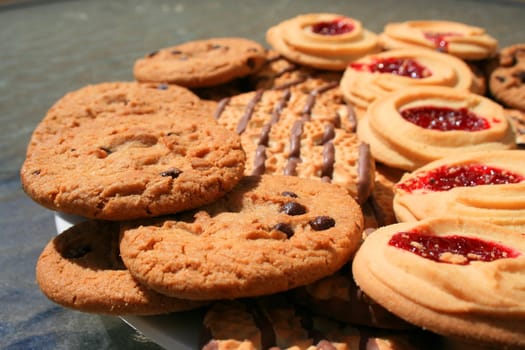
414, 126
486, 186
455, 38
507, 78
453, 276
322, 40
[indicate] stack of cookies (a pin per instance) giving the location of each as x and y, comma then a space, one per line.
307, 195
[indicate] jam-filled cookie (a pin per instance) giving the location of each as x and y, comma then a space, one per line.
376, 75
201, 63
273, 323
414, 126
125, 150
269, 234
507, 79
458, 39
322, 40
81, 269
456, 277
305, 130
487, 186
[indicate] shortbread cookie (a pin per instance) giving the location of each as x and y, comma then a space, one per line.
429, 123
81, 269
322, 40
507, 80
338, 297
458, 39
374, 76
487, 186
453, 276
269, 234
304, 133
125, 150
201, 63
272, 323
517, 120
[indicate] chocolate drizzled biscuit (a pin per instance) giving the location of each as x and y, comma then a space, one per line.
300, 131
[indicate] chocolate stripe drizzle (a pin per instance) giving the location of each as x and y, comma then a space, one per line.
243, 123
310, 100
260, 153
328, 153
363, 171
295, 148
220, 107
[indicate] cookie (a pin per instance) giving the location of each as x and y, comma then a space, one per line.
322, 40
301, 131
517, 120
269, 234
201, 63
428, 123
455, 38
279, 73
122, 150
338, 297
273, 323
452, 276
486, 186
81, 269
507, 80
376, 75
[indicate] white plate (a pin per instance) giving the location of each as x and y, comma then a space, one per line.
172, 331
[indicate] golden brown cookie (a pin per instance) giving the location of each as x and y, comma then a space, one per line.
81, 269
414, 126
269, 234
453, 276
455, 38
517, 120
487, 186
201, 63
302, 131
123, 150
273, 323
376, 75
507, 80
322, 40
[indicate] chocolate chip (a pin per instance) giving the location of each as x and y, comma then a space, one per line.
176, 52
173, 173
322, 223
293, 208
106, 149
153, 53
250, 62
289, 194
163, 87
500, 78
77, 252
36, 172
520, 75
284, 228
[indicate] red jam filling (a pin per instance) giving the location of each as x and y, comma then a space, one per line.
440, 40
447, 177
453, 249
405, 67
336, 27
445, 118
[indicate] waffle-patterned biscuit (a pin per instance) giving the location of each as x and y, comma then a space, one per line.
201, 63
322, 40
487, 186
429, 123
81, 269
273, 323
269, 234
123, 150
302, 132
453, 276
458, 39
